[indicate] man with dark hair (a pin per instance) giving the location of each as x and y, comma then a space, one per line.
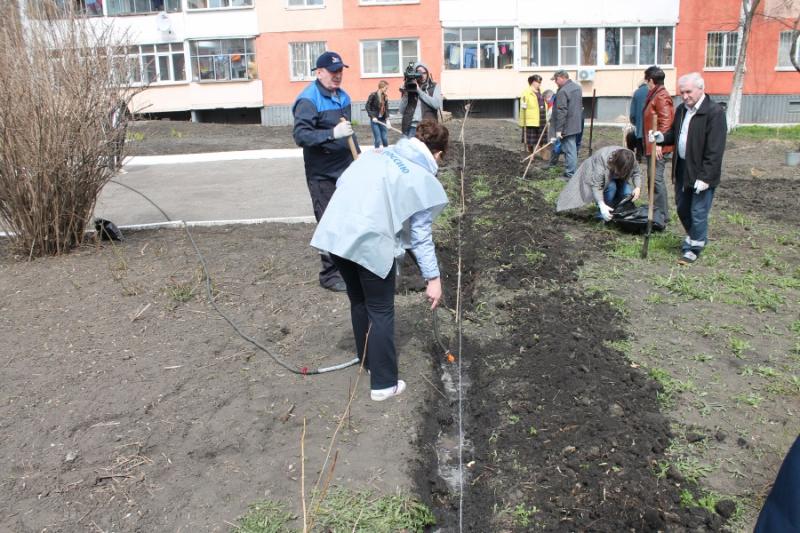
658, 102
320, 130
634, 141
532, 112
567, 120
698, 132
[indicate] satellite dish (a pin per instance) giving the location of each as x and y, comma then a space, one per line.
163, 24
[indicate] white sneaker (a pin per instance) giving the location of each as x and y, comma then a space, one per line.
382, 394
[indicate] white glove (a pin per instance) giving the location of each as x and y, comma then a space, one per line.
524, 105
342, 129
388, 124
553, 140
655, 136
374, 119
700, 186
558, 135
605, 211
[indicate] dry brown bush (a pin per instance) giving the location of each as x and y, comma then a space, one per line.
61, 131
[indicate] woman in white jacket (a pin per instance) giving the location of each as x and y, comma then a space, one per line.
384, 204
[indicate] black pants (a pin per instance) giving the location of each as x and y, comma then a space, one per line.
321, 192
372, 307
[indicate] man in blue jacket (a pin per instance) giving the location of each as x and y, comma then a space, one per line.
319, 129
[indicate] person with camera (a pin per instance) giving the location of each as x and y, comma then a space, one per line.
422, 98
322, 128
378, 111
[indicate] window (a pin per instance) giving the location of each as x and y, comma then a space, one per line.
389, 56
306, 3
722, 48
375, 2
223, 59
638, 46
555, 47
302, 58
131, 7
154, 63
785, 48
488, 48
217, 4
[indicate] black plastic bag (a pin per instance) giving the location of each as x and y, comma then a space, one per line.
107, 230
633, 219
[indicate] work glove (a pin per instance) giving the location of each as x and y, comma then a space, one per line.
388, 124
700, 186
605, 211
375, 119
655, 136
558, 135
524, 105
553, 140
342, 129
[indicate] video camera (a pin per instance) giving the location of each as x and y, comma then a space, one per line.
411, 78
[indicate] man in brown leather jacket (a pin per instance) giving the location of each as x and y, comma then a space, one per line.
658, 101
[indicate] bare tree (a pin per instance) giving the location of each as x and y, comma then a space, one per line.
64, 93
748, 11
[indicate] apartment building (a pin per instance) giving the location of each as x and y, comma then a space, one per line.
710, 45
376, 38
196, 57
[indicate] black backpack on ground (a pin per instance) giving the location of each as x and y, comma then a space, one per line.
632, 219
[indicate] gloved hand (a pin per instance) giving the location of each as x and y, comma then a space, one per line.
343, 129
524, 105
374, 119
655, 136
700, 186
558, 135
605, 211
388, 124
553, 140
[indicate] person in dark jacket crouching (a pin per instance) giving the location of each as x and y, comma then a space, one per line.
384, 204
320, 130
698, 133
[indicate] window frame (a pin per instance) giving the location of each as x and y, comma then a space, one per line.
156, 54
177, 9
725, 44
480, 44
401, 57
788, 67
305, 5
375, 3
222, 8
195, 60
311, 59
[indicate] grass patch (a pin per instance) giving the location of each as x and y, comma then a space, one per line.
783, 133
550, 189
669, 386
265, 517
480, 189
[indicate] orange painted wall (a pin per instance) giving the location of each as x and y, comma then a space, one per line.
697, 19
419, 21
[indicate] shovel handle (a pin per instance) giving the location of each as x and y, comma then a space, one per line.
350, 142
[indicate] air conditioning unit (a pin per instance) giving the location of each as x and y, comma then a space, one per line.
586, 74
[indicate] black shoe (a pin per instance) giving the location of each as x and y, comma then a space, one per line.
338, 286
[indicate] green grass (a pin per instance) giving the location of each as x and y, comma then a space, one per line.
669, 386
480, 189
662, 246
522, 515
343, 510
180, 292
134, 136
550, 189
786, 133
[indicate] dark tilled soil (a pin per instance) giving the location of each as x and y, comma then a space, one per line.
561, 427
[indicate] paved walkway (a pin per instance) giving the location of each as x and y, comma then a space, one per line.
211, 188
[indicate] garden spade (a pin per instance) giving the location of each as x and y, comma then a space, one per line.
651, 186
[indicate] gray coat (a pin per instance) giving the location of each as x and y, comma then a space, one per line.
591, 179
568, 110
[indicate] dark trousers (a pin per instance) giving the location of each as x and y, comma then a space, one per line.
660, 197
693, 210
321, 192
372, 307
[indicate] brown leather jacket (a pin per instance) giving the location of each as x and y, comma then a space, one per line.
659, 102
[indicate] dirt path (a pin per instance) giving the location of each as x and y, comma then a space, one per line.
128, 404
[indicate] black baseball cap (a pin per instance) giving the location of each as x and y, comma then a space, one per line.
330, 61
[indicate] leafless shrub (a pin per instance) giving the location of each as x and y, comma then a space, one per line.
63, 96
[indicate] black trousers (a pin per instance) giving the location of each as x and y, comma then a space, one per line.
372, 307
321, 192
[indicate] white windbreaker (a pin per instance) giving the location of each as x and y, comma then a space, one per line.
369, 217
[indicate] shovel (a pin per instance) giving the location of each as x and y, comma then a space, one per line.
651, 186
